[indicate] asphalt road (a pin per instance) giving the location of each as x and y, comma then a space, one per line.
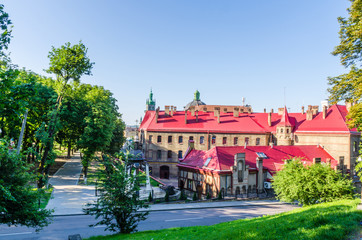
62, 227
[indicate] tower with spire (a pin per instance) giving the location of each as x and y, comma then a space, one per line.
150, 103
284, 129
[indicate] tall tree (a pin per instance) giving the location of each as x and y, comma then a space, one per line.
348, 86
67, 63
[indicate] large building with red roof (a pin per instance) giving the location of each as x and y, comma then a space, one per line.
241, 170
164, 135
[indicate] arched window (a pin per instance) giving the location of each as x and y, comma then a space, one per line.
240, 171
235, 141
281, 130
202, 140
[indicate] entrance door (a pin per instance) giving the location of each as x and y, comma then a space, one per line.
164, 172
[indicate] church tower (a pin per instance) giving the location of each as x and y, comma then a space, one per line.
284, 129
150, 103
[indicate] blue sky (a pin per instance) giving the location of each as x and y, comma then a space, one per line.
225, 49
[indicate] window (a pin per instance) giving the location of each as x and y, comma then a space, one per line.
235, 141
224, 140
287, 130
317, 160
180, 154
169, 154
257, 142
213, 140
191, 138
159, 138
281, 130
150, 138
159, 154
169, 139
202, 140
240, 171
180, 139
355, 146
247, 141
189, 184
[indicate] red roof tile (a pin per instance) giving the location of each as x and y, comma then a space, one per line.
335, 122
222, 158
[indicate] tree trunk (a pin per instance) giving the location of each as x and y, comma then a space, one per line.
69, 147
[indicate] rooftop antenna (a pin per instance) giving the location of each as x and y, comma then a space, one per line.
243, 99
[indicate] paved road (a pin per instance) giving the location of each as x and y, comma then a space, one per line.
63, 226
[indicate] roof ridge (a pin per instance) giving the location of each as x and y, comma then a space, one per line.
217, 156
339, 111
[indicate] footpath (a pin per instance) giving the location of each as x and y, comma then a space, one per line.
69, 198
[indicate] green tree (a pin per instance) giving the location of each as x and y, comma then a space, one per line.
5, 32
67, 63
118, 202
18, 200
348, 86
310, 184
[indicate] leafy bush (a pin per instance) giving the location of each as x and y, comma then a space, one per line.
310, 184
150, 198
167, 197
208, 196
183, 195
194, 197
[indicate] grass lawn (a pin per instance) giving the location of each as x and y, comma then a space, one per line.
142, 179
323, 221
44, 201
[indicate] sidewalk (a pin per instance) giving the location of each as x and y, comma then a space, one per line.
68, 198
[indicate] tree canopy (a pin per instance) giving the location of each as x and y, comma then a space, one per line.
310, 184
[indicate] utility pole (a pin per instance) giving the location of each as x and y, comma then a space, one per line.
22, 131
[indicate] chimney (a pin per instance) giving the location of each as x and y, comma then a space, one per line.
324, 112
303, 110
272, 110
157, 112
197, 115
171, 111
309, 115
259, 164
315, 109
186, 117
167, 110
264, 110
236, 112
349, 104
218, 117
216, 111
280, 111
269, 119
192, 111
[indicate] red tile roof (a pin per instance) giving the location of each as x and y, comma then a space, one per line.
335, 122
222, 158
285, 121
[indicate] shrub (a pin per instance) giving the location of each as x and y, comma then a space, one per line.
194, 197
150, 198
310, 184
208, 196
183, 195
219, 196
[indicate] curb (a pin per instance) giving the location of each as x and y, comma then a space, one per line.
187, 208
